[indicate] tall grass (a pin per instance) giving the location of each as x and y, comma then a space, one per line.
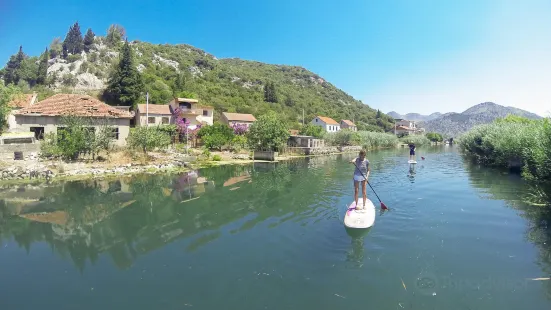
418, 140
504, 142
366, 139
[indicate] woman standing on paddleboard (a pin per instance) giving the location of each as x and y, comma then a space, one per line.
361, 173
412, 151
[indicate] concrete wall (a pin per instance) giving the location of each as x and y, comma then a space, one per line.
50, 124
141, 119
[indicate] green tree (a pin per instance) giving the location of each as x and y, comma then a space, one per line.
73, 42
270, 94
216, 136
289, 101
378, 113
312, 130
7, 94
12, 71
42, 75
148, 138
268, 133
125, 85
115, 34
55, 48
88, 40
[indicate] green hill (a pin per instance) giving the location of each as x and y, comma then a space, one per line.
232, 85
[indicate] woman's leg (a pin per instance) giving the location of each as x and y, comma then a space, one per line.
363, 192
356, 193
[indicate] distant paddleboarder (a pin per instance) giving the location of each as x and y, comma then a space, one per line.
361, 173
411, 151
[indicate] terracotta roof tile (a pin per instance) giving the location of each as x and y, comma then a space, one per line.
187, 100
155, 109
328, 120
238, 117
74, 104
22, 101
347, 122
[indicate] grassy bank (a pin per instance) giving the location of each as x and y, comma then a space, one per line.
512, 142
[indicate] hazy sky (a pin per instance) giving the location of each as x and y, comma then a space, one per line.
409, 56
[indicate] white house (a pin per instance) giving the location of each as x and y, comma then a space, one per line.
327, 123
348, 125
405, 123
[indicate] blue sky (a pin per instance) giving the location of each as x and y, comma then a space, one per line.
409, 56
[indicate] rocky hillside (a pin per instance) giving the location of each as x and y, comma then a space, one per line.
415, 116
454, 124
232, 85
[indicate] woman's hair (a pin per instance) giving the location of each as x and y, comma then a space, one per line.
362, 152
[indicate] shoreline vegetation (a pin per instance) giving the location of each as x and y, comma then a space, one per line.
55, 167
513, 142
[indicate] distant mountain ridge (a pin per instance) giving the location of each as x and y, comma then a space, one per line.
454, 124
414, 116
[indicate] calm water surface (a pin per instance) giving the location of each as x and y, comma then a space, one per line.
270, 236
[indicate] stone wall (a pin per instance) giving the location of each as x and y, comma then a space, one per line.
322, 150
28, 149
355, 148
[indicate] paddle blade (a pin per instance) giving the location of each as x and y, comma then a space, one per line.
383, 206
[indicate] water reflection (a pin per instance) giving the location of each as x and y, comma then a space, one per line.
531, 199
135, 215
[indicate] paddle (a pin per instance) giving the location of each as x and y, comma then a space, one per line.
383, 206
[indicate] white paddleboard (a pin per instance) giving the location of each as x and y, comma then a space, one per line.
412, 161
364, 218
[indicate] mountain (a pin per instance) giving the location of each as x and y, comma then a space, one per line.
230, 85
414, 116
454, 124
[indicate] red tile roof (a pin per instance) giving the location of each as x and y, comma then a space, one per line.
155, 109
21, 101
238, 117
74, 104
347, 122
328, 120
404, 128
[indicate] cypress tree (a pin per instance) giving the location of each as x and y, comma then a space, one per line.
73, 41
274, 93
88, 40
125, 85
378, 113
43, 68
12, 73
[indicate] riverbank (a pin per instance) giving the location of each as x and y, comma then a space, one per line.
35, 170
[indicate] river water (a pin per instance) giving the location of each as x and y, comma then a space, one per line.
271, 236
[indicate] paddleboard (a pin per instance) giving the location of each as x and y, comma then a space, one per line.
412, 161
364, 218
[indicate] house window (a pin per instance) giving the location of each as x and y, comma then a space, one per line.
205, 113
184, 120
165, 120
151, 120
316, 120
38, 132
115, 133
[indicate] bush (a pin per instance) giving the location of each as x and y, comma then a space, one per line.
216, 157
268, 133
372, 140
512, 139
434, 137
342, 137
418, 140
148, 138
73, 58
216, 136
239, 143
312, 130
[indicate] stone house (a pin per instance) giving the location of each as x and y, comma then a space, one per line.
237, 119
153, 114
347, 124
45, 116
20, 102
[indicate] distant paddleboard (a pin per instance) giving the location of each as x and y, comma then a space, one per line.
412, 162
364, 218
